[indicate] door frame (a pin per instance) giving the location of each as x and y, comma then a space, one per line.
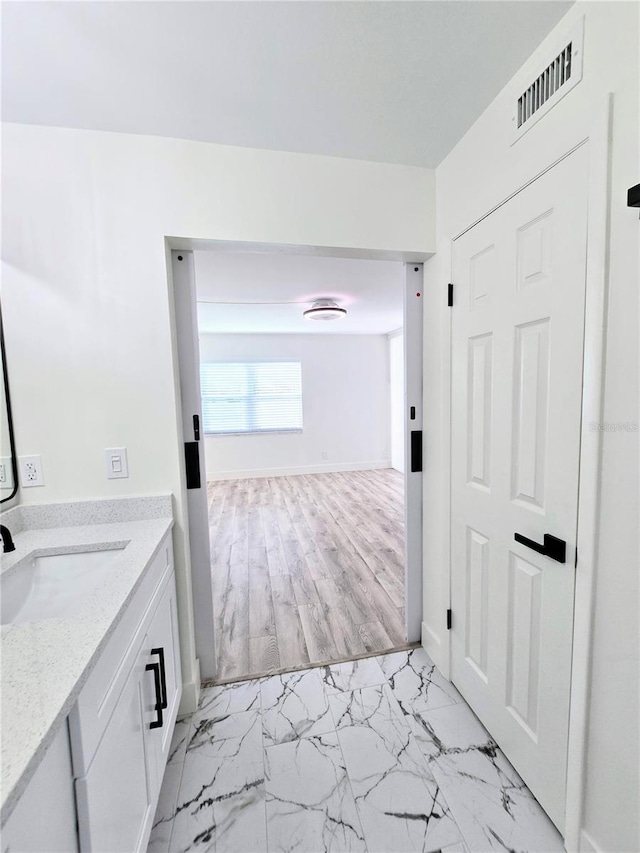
413, 355
186, 341
596, 286
197, 514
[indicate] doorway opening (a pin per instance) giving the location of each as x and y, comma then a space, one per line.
303, 449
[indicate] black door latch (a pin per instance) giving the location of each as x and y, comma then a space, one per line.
555, 549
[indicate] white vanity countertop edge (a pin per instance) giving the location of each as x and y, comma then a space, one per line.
46, 663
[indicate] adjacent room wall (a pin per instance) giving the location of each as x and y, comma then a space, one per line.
345, 406
396, 379
481, 171
86, 300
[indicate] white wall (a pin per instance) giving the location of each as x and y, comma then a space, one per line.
345, 405
480, 172
85, 296
396, 378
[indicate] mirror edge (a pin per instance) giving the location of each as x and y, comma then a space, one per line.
12, 443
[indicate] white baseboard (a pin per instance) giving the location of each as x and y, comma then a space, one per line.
190, 698
432, 645
327, 468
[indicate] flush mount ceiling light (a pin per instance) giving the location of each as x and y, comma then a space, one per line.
324, 309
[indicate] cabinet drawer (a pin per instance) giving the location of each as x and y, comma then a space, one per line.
100, 694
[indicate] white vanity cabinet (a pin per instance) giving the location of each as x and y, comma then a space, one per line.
122, 724
96, 788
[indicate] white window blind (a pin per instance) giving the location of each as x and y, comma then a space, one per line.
242, 397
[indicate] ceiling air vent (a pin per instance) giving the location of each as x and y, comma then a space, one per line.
559, 77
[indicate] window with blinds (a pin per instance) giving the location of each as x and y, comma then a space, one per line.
250, 397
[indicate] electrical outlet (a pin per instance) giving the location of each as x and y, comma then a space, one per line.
6, 474
31, 473
323, 455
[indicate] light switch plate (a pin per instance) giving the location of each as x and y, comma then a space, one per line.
117, 463
31, 473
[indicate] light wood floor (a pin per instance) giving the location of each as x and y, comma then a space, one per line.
306, 569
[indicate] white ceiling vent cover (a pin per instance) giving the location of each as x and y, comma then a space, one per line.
543, 92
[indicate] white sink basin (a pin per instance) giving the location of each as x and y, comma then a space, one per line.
52, 586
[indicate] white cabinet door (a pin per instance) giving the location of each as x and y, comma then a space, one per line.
517, 331
115, 798
162, 651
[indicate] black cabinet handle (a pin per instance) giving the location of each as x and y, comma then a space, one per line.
158, 722
163, 676
555, 549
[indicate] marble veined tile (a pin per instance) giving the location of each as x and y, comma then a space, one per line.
229, 699
165, 810
222, 780
314, 761
453, 728
490, 802
400, 805
240, 821
310, 805
294, 705
415, 681
376, 708
352, 675
373, 707
179, 741
238, 726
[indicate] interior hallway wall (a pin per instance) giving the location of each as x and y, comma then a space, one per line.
87, 308
482, 170
345, 403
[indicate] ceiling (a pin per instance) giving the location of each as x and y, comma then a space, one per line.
397, 82
371, 291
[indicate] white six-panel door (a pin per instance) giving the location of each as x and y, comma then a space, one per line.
517, 361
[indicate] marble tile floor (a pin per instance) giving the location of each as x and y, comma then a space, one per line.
379, 755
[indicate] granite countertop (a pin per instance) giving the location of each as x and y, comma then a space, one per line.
45, 663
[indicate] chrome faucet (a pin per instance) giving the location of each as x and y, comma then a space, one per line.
7, 541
